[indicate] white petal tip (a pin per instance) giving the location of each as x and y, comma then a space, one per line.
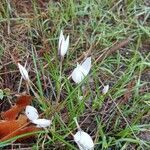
86, 65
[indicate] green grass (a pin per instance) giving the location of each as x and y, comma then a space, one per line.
113, 121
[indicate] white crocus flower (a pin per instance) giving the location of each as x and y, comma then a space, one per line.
83, 140
33, 116
81, 70
24, 72
105, 89
63, 44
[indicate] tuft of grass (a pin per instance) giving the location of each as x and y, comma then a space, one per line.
29, 33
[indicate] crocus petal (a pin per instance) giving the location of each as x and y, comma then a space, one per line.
81, 71
67, 43
86, 65
84, 140
61, 39
31, 113
77, 75
64, 47
63, 44
42, 123
24, 72
84, 71
105, 89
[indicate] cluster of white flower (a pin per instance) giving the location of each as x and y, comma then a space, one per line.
78, 74
33, 116
83, 140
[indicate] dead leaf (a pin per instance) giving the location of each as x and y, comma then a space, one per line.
13, 112
24, 100
9, 126
28, 129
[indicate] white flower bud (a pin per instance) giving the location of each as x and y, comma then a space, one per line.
83, 140
105, 89
63, 44
81, 71
24, 72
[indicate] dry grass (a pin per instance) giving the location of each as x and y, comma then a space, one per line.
117, 36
